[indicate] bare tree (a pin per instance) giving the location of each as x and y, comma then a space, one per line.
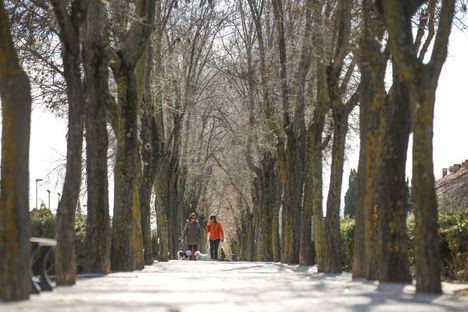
70, 23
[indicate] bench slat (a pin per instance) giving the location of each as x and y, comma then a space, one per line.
43, 241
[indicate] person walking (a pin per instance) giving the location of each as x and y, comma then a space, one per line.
192, 234
216, 232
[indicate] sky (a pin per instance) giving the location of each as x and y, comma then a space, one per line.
48, 133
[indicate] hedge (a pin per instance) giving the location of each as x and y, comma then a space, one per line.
453, 236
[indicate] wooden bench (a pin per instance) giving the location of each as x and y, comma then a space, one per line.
40, 251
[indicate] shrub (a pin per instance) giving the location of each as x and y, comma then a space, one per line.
154, 244
80, 239
347, 242
43, 225
453, 236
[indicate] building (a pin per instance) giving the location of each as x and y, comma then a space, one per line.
452, 188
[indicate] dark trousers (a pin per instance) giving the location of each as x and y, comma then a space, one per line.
214, 244
192, 248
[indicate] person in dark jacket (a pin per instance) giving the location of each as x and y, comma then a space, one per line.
192, 234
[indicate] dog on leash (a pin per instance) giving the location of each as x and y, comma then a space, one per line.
183, 255
200, 256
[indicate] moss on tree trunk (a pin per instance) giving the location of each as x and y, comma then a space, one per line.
15, 249
98, 236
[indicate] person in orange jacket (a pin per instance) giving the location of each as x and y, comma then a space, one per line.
216, 235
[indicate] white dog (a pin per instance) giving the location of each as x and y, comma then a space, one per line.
199, 256
183, 255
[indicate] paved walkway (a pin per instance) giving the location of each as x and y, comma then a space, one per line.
230, 286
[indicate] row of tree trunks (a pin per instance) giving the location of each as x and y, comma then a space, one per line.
422, 80
70, 24
284, 178
15, 249
96, 62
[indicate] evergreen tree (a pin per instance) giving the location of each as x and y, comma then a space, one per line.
409, 198
350, 197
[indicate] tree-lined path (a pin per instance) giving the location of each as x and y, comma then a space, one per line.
235, 286
247, 110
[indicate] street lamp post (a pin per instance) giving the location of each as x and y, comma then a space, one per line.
37, 180
48, 200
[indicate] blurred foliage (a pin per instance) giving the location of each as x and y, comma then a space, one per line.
80, 239
453, 236
154, 243
43, 225
350, 196
347, 242
454, 245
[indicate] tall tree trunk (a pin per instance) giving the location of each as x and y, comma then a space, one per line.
146, 186
333, 262
98, 236
374, 138
295, 162
159, 146
161, 212
175, 216
305, 222
427, 249
359, 250
306, 251
372, 99
126, 226
15, 92
147, 137
127, 241
286, 213
313, 199
265, 213
259, 218
314, 144
275, 229
167, 214
393, 254
65, 260
293, 177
